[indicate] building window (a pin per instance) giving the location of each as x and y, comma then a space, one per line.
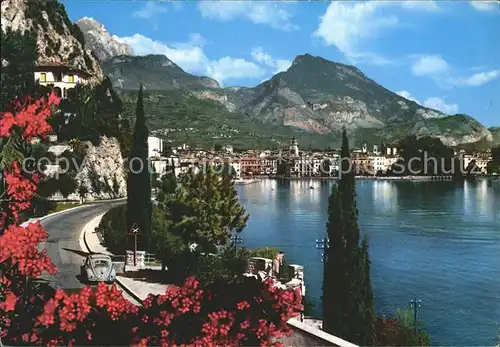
71, 78
57, 76
43, 77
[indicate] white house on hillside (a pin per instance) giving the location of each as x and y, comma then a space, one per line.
61, 77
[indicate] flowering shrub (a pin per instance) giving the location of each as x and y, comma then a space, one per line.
245, 312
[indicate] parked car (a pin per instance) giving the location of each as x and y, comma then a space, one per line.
98, 268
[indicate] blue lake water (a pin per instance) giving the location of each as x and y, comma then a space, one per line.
437, 241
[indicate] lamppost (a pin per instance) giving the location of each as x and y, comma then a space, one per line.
323, 245
415, 305
235, 240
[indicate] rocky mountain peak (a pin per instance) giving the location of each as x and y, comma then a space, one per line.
100, 41
154, 71
58, 39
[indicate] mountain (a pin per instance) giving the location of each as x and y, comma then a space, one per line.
321, 96
58, 39
180, 116
99, 41
314, 96
155, 72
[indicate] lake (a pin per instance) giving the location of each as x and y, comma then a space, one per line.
436, 241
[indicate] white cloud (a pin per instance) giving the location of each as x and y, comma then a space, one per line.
435, 103
436, 68
347, 25
228, 67
274, 14
485, 6
429, 6
278, 65
406, 94
150, 10
191, 57
479, 79
440, 105
430, 66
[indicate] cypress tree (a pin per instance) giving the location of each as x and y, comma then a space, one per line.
139, 206
347, 293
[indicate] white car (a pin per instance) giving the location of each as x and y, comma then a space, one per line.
98, 268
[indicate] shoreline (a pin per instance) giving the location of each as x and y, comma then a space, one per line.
365, 178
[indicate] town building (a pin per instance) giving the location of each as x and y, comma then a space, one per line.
249, 166
60, 77
378, 164
155, 146
164, 165
365, 148
269, 165
303, 166
227, 149
362, 163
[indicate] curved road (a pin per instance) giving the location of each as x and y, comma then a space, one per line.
63, 245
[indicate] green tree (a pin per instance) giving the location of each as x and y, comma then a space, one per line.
18, 56
139, 207
434, 158
82, 192
347, 295
399, 330
217, 147
67, 184
199, 208
494, 165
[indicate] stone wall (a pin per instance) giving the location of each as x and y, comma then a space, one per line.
306, 335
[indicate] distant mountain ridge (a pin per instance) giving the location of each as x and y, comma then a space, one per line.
155, 72
314, 95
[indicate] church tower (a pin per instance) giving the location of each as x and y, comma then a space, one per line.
293, 150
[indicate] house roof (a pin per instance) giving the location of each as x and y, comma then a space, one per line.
57, 64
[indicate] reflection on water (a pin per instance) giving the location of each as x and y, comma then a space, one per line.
385, 197
439, 241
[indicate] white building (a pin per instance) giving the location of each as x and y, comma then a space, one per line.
303, 166
228, 149
334, 163
391, 151
163, 165
237, 169
59, 76
155, 146
378, 164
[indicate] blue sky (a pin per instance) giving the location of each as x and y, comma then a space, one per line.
444, 55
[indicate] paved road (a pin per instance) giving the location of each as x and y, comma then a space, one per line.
63, 246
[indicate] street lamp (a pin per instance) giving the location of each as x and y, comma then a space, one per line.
323, 245
415, 304
235, 240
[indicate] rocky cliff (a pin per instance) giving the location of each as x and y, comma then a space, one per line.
102, 170
58, 39
99, 41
